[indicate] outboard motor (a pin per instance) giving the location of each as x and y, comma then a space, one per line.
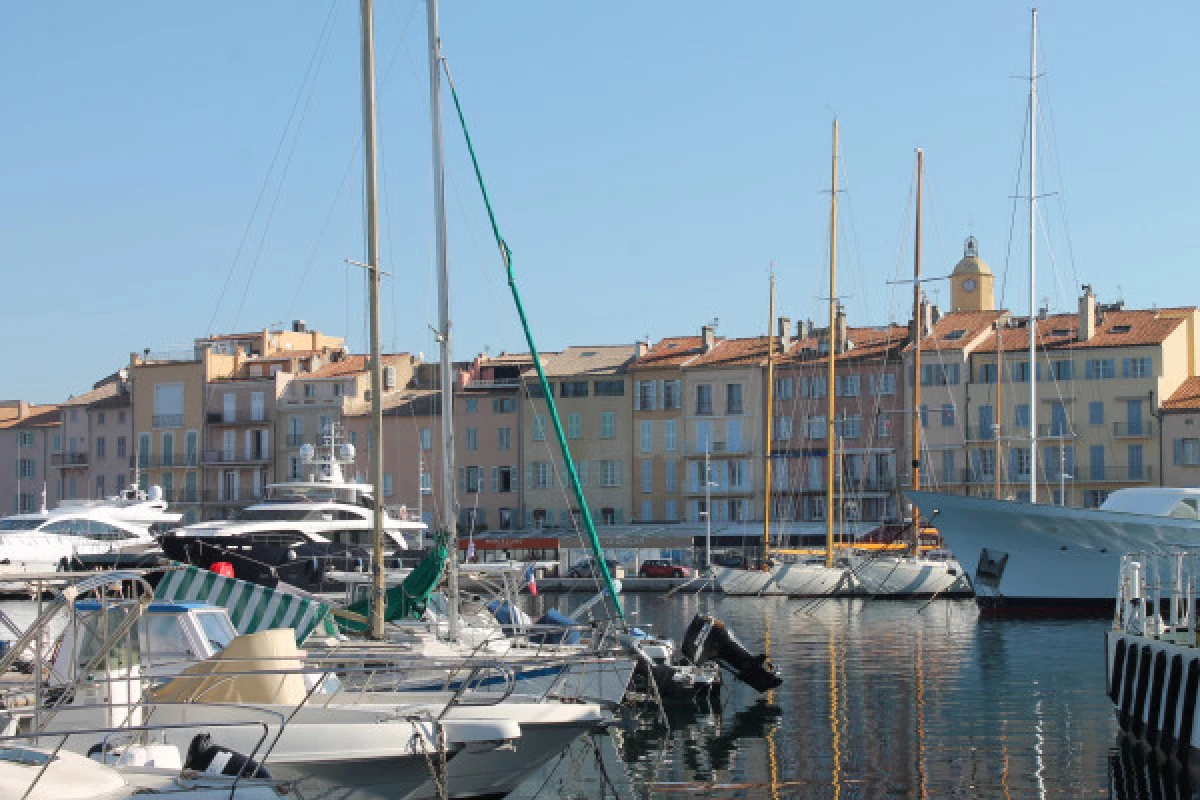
707, 639
204, 756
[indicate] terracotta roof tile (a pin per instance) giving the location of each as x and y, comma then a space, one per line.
1185, 398
671, 352
353, 365
602, 359
958, 330
1126, 328
38, 417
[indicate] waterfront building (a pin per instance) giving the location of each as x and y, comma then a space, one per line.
95, 459
659, 429
869, 411
29, 435
1179, 416
592, 396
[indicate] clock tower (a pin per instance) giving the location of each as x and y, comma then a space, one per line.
971, 284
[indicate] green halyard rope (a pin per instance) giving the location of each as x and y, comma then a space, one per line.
547, 394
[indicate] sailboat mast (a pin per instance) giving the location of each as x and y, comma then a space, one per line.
829, 444
999, 426
372, 229
446, 382
770, 416
1033, 428
918, 332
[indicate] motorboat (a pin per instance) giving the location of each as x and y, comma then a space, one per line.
301, 531
1027, 558
58, 539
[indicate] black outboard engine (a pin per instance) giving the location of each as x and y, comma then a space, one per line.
204, 756
707, 639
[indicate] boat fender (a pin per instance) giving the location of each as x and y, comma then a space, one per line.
204, 756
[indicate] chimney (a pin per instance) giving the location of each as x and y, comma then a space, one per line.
840, 342
298, 326
1087, 314
708, 336
803, 329
785, 333
643, 347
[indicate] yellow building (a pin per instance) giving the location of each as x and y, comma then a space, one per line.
972, 285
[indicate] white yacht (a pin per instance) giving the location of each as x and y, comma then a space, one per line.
300, 529
1053, 559
50, 540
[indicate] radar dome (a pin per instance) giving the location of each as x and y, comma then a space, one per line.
346, 452
307, 452
155, 493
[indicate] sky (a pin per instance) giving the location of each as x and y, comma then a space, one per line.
170, 170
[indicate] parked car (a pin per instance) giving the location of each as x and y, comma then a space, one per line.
663, 568
584, 569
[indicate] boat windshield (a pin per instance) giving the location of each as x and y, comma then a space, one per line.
251, 514
19, 524
217, 628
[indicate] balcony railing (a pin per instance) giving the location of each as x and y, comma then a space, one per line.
69, 460
234, 457
1133, 430
879, 483
970, 475
1113, 474
1055, 430
242, 495
294, 440
168, 420
976, 433
239, 418
159, 460
181, 495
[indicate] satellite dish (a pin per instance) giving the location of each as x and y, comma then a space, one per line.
346, 452
307, 452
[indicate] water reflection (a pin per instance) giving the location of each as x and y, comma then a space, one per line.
1136, 776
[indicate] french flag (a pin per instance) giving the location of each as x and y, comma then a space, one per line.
529, 576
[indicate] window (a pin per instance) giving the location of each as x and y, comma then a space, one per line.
609, 388
733, 398
884, 384
471, 479
647, 467
539, 427
939, 374
783, 428
1098, 369
669, 441
1094, 498
646, 396
99, 447
610, 473
1019, 463
737, 474
1020, 371
883, 426
608, 425
1187, 452
816, 426
426, 439
704, 399
504, 405
1136, 467
783, 389
472, 405
120, 447
1058, 419
1096, 412
574, 425
541, 475
671, 511
848, 426
504, 479
426, 483
646, 443
987, 373
947, 466
672, 395
647, 510
573, 389
813, 387
670, 475
848, 385
986, 422
387, 484
26, 467
121, 482
143, 450
310, 390
504, 438
924, 413
168, 405
168, 449
947, 415
1135, 367
1061, 370
472, 438
1021, 416
1096, 462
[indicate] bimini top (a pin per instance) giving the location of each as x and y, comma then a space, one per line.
1165, 501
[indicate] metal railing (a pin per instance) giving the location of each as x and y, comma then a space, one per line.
235, 457
160, 460
241, 417
69, 460
294, 439
1133, 430
1053, 430
168, 420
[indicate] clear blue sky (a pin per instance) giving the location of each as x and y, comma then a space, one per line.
647, 162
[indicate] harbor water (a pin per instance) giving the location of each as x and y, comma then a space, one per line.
880, 699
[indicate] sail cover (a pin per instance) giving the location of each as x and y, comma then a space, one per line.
408, 600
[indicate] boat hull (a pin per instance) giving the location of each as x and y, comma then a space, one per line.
1039, 558
788, 579
906, 576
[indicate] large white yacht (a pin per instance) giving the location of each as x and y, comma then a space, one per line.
300, 529
54, 539
1027, 557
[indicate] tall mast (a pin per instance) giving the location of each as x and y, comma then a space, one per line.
999, 423
918, 331
449, 499
770, 416
1033, 429
372, 224
829, 375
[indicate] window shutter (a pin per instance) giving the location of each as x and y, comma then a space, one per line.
462, 480
619, 516
528, 475
662, 393
582, 470
637, 395
1179, 451
513, 476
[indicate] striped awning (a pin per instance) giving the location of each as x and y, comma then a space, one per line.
251, 607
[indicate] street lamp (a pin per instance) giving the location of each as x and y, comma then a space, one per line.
708, 484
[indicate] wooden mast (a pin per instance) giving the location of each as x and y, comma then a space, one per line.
999, 404
770, 417
832, 339
918, 333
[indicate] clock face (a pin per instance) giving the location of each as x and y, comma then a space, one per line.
968, 285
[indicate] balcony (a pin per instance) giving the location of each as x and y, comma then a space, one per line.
239, 418
978, 476
1113, 474
216, 457
1138, 429
160, 460
1055, 430
294, 440
69, 460
244, 494
975, 433
181, 495
168, 420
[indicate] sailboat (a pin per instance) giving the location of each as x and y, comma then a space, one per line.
795, 574
912, 574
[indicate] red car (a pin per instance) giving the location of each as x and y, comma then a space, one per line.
662, 568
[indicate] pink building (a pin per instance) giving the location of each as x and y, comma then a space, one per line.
29, 435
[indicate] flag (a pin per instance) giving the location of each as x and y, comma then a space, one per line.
532, 578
